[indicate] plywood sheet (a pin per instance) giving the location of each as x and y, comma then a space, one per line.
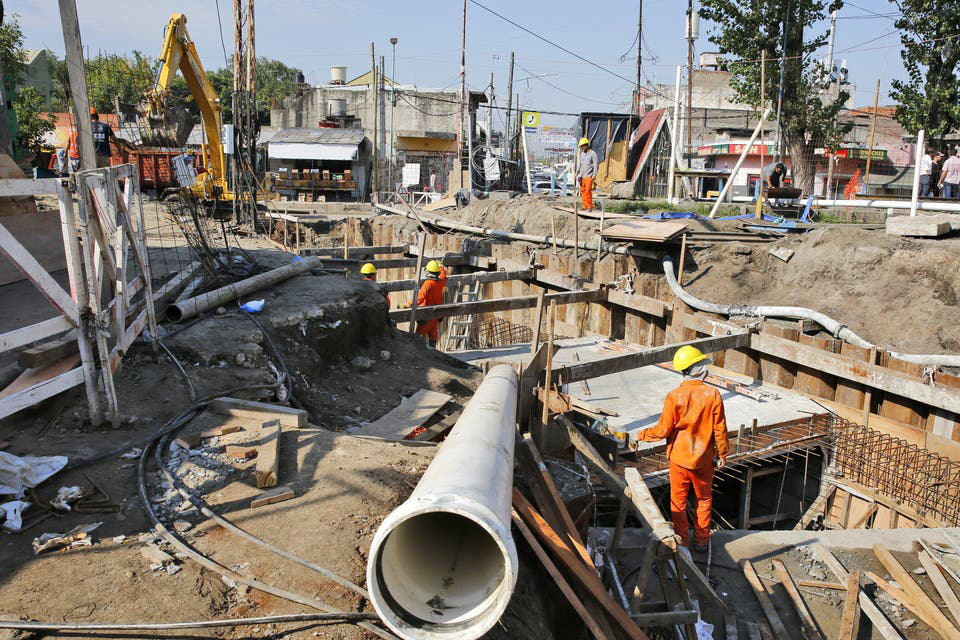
645, 230
407, 416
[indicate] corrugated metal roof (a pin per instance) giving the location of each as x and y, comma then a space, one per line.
318, 136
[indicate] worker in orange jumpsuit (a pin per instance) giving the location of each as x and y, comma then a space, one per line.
586, 173
431, 293
369, 273
695, 427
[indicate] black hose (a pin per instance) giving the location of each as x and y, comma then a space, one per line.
163, 626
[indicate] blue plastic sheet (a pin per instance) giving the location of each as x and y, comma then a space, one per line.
670, 215
254, 306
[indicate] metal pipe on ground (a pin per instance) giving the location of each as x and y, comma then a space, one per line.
181, 310
443, 564
872, 204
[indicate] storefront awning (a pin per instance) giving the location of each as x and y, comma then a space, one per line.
311, 151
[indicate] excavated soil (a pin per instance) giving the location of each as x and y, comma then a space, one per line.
899, 293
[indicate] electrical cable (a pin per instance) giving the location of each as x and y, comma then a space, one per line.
165, 626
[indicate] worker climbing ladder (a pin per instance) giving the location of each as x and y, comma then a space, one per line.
458, 330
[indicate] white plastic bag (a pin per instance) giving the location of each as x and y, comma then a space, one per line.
13, 511
18, 474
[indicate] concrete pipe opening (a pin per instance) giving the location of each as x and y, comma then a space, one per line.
442, 575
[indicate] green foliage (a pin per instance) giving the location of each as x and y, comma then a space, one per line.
11, 51
113, 75
930, 97
746, 29
28, 106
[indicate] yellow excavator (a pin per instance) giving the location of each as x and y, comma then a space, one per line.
168, 126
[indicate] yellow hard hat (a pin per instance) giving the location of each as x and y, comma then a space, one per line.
686, 357
368, 269
433, 266
583, 141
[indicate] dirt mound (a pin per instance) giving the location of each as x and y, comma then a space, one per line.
899, 293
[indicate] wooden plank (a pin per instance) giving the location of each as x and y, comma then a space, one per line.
645, 230
39, 390
28, 187
239, 452
278, 494
502, 304
407, 416
397, 263
32, 377
48, 352
776, 625
528, 380
617, 364
561, 582
437, 429
836, 586
865, 373
940, 622
901, 597
36, 274
879, 620
585, 576
288, 416
666, 618
268, 454
643, 304
468, 278
850, 620
39, 331
354, 252
806, 618
940, 584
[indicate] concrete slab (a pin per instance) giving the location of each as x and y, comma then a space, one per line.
638, 395
917, 226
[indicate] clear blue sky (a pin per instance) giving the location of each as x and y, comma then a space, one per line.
315, 34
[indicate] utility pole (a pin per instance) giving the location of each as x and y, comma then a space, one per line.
833, 34
383, 124
463, 95
374, 186
393, 104
489, 132
636, 98
783, 64
690, 35
508, 141
873, 133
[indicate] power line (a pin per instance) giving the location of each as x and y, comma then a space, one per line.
616, 104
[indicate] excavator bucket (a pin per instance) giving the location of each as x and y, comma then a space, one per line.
163, 125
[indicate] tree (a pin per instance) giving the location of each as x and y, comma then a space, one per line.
930, 98
743, 30
114, 75
12, 52
275, 81
32, 127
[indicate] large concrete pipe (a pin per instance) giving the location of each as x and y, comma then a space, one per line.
443, 564
183, 309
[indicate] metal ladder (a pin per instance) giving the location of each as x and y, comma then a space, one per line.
458, 330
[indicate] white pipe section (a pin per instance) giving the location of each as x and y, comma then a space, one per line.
443, 564
183, 309
797, 313
674, 139
917, 162
736, 168
874, 204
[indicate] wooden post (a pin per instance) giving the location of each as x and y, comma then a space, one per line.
600, 237
553, 231
416, 291
346, 243
576, 230
683, 257
535, 342
873, 132
73, 47
851, 612
548, 383
806, 618
868, 395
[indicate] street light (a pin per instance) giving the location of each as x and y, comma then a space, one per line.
393, 103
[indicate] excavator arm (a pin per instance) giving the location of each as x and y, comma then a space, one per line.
168, 126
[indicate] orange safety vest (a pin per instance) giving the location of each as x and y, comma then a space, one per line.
72, 148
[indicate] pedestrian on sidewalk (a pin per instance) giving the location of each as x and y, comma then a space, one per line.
926, 168
586, 173
694, 425
950, 176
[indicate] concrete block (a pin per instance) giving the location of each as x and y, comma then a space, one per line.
919, 226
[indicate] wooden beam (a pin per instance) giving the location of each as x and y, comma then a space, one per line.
585, 576
411, 413
469, 278
641, 303
28, 187
940, 584
666, 618
354, 252
617, 364
850, 620
806, 618
941, 623
503, 304
836, 586
397, 263
32, 333
898, 595
268, 454
561, 582
640, 495
868, 606
865, 373
48, 352
288, 416
779, 631
35, 273
40, 390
